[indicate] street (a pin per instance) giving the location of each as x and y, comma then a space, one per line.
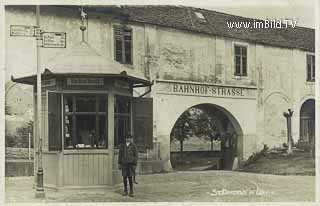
195, 186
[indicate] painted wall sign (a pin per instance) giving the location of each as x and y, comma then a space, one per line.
85, 81
54, 39
48, 83
23, 30
206, 90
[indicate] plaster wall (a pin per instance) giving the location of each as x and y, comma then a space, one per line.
277, 74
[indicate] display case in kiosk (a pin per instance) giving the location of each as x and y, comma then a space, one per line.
87, 108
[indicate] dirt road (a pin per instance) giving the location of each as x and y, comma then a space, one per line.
224, 186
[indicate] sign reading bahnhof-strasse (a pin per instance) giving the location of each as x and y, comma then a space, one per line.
191, 89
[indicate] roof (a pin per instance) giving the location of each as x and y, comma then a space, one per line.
215, 23
82, 59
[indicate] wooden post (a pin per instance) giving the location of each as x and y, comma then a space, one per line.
110, 121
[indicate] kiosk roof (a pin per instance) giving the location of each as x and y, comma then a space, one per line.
82, 59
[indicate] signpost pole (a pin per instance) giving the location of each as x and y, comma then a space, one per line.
46, 40
39, 190
29, 145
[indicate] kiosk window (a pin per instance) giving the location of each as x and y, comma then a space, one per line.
122, 118
85, 123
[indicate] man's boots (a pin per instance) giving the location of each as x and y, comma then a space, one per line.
125, 192
131, 187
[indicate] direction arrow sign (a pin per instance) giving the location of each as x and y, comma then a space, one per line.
23, 30
54, 39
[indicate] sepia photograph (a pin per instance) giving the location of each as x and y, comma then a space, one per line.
187, 101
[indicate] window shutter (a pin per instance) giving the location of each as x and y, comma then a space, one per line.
54, 116
118, 44
143, 122
123, 45
128, 46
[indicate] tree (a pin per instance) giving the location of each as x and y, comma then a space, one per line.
213, 133
181, 130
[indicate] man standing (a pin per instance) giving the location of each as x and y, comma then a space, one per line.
128, 157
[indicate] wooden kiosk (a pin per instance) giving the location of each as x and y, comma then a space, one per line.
87, 108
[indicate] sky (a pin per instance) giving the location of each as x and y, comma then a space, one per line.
301, 10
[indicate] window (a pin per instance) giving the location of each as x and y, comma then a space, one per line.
240, 60
122, 119
85, 121
311, 68
123, 45
200, 16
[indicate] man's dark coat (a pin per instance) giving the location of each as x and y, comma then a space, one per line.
128, 157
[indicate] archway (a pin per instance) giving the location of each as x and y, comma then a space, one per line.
205, 136
307, 123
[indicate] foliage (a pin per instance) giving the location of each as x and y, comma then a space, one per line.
257, 155
195, 122
21, 138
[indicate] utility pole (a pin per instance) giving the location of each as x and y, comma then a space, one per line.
39, 190
288, 116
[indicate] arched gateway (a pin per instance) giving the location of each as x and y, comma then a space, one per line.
235, 106
220, 142
307, 123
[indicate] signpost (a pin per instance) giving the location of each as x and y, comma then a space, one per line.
23, 30
54, 39
45, 40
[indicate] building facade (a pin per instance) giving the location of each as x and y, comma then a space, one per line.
249, 77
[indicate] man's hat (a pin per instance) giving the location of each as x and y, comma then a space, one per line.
129, 136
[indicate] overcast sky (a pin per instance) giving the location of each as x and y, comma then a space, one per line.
301, 10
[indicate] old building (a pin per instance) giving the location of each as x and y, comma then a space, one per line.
247, 77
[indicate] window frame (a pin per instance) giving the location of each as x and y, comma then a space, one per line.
241, 46
312, 67
122, 29
75, 113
